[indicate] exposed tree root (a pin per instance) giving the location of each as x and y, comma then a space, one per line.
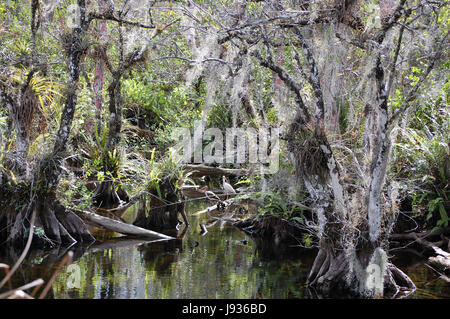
162, 214
270, 227
60, 226
73, 224
426, 239
441, 261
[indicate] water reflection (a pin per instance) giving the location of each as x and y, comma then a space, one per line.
224, 263
430, 285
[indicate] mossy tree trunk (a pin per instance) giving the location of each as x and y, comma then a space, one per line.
352, 220
38, 191
110, 193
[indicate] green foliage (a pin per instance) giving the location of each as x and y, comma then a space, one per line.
272, 115
434, 205
162, 106
37, 231
220, 116
166, 176
423, 161
343, 107
74, 193
307, 239
102, 162
276, 205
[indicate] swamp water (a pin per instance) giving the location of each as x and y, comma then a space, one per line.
223, 263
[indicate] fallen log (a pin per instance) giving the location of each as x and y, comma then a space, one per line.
441, 261
117, 226
202, 170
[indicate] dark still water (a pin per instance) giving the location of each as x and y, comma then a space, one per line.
223, 263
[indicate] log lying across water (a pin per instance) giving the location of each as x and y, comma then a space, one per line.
119, 227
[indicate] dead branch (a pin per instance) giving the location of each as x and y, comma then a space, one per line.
24, 253
420, 238
202, 170
67, 260
35, 283
111, 17
290, 83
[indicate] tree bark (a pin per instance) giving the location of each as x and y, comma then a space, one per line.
59, 226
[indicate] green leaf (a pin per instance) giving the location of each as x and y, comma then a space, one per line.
158, 190
442, 212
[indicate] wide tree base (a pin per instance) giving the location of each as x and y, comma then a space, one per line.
159, 215
54, 225
107, 195
334, 275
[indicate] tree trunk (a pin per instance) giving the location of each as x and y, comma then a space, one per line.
365, 272
106, 195
59, 225
162, 213
99, 73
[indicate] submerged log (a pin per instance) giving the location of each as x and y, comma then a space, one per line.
119, 243
119, 227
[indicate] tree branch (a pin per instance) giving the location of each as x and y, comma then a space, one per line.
111, 17
291, 84
413, 92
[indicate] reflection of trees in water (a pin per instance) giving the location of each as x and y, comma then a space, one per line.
279, 270
269, 249
221, 264
160, 255
39, 263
